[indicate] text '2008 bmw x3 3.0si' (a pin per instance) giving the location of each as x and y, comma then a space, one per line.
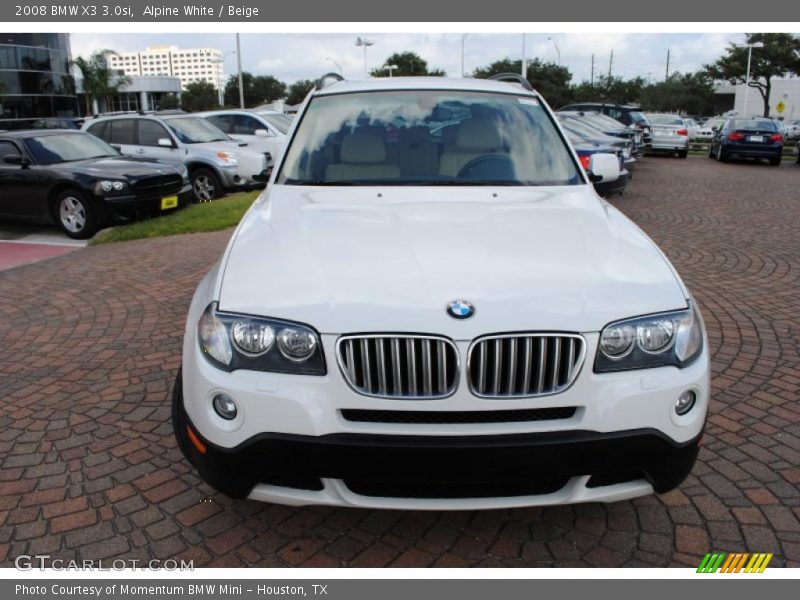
429, 307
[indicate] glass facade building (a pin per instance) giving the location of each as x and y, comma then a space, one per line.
35, 79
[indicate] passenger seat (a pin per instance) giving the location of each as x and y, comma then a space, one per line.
476, 137
362, 156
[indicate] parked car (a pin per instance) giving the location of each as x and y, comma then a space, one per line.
748, 138
81, 183
436, 325
583, 133
265, 127
793, 130
611, 127
669, 134
631, 116
41, 123
706, 132
585, 151
216, 163
692, 127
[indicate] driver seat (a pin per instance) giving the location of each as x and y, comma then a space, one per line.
476, 137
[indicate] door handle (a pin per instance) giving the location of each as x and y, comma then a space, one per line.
140, 151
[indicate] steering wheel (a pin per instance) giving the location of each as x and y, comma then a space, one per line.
488, 167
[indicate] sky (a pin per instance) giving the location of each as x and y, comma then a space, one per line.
290, 57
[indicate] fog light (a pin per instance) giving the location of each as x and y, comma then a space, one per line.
224, 406
685, 402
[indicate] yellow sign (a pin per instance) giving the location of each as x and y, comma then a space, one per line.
780, 107
169, 202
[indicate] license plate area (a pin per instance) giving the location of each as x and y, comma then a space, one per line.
169, 202
755, 138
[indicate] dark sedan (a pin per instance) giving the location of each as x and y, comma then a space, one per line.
747, 138
585, 150
81, 183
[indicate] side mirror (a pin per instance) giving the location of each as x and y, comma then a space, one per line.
262, 133
16, 159
604, 167
165, 143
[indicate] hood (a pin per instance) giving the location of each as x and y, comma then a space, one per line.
390, 259
123, 167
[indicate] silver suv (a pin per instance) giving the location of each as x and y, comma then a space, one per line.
216, 162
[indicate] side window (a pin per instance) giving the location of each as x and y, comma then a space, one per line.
150, 132
99, 129
223, 122
244, 125
122, 131
8, 149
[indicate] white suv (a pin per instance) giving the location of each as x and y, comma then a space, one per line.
430, 308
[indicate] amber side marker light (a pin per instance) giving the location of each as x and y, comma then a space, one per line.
201, 447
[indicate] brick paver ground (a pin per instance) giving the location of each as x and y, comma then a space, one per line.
91, 344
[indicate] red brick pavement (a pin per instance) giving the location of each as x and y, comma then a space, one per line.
91, 344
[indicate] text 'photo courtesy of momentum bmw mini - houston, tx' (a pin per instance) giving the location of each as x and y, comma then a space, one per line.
430, 307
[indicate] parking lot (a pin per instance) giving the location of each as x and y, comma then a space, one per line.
91, 345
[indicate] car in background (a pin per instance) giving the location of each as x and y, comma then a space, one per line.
692, 127
793, 130
216, 162
582, 133
585, 151
669, 134
611, 127
706, 131
629, 115
756, 138
81, 183
41, 123
268, 128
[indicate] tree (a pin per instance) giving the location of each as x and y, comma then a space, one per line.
780, 57
258, 89
99, 81
549, 79
298, 91
691, 93
409, 64
169, 102
614, 90
198, 96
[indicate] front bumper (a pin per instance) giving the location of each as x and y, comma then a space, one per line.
131, 206
293, 443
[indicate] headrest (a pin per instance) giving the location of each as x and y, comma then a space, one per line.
478, 134
415, 134
362, 148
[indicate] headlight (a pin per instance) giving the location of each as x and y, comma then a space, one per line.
667, 339
107, 187
231, 342
227, 158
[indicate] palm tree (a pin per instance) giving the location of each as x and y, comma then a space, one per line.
99, 81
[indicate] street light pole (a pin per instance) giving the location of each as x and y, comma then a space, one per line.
365, 43
220, 83
390, 68
523, 70
463, 39
750, 47
239, 61
558, 50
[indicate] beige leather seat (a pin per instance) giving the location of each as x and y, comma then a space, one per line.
362, 156
476, 137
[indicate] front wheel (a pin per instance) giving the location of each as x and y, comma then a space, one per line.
721, 156
205, 185
775, 162
683, 154
75, 215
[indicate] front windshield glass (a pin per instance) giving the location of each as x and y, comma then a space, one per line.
67, 147
194, 130
280, 122
427, 138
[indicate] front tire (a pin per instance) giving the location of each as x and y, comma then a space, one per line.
75, 215
683, 154
775, 162
721, 155
206, 185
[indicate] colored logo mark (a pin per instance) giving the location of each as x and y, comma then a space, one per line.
744, 562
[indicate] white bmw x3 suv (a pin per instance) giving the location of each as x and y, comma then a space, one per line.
429, 307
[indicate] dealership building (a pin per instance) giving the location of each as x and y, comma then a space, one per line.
784, 99
35, 79
189, 65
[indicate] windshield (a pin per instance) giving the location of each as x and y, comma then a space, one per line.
637, 117
605, 121
67, 147
665, 120
585, 130
427, 138
194, 130
280, 122
753, 125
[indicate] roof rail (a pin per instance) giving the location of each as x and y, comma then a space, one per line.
321, 81
516, 77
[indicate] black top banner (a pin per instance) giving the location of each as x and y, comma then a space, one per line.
131, 11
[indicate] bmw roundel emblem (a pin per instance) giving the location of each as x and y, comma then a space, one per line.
460, 309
